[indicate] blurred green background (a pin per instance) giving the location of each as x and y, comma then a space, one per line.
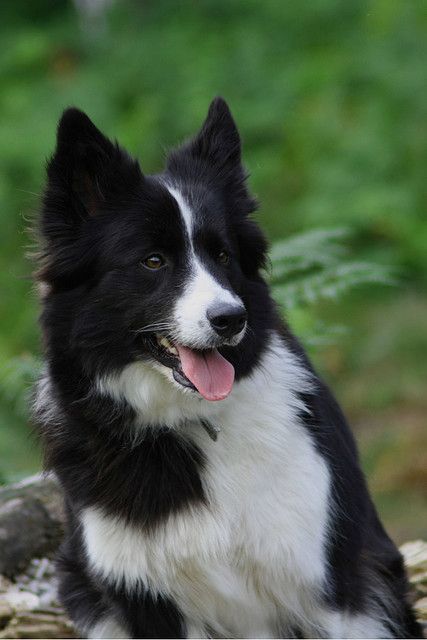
331, 100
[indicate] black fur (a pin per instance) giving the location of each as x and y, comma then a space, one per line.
101, 216
143, 483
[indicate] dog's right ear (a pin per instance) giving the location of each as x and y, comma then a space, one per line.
82, 155
86, 167
87, 176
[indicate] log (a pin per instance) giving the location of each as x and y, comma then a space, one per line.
31, 522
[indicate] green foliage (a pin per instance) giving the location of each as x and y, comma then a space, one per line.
331, 98
17, 377
310, 266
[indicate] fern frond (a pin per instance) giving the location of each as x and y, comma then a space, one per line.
330, 282
316, 248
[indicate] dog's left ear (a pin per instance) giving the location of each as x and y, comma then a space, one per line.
216, 147
218, 141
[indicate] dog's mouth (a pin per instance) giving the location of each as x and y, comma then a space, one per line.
202, 370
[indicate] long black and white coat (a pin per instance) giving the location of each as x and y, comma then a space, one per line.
267, 531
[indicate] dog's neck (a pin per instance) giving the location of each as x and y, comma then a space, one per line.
156, 400
160, 402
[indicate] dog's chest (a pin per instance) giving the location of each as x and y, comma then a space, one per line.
253, 558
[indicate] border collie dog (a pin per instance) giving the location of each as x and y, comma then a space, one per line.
212, 486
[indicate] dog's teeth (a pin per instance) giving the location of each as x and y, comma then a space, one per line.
164, 342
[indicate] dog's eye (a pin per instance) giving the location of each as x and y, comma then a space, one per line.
155, 261
224, 257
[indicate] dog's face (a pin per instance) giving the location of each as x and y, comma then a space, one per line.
162, 269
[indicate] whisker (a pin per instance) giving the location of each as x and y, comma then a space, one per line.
153, 327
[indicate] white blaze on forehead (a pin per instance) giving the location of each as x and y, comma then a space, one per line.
185, 211
201, 290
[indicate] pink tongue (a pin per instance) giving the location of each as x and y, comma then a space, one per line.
211, 374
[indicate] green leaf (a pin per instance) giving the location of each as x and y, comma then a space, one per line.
331, 282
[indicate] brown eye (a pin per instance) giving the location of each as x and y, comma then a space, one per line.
223, 257
155, 261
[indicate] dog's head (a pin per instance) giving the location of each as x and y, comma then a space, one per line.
163, 269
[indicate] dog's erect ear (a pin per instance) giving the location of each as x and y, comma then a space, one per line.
81, 159
218, 141
86, 168
216, 147
88, 175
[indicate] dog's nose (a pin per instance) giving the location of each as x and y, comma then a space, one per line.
227, 319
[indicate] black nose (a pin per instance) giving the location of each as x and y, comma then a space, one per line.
227, 319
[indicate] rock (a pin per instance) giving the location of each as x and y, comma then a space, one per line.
415, 556
39, 624
421, 609
29, 607
6, 613
5, 584
20, 600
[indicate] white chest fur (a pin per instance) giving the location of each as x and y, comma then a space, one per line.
253, 560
